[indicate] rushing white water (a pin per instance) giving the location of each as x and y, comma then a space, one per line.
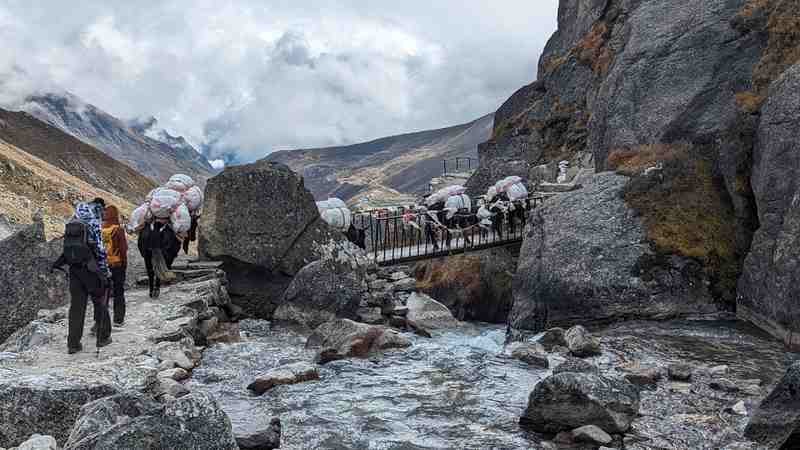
458, 390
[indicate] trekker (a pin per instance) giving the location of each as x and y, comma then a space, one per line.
88, 274
159, 247
116, 244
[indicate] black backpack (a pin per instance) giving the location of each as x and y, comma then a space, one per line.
78, 250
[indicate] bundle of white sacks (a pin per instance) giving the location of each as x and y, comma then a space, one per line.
512, 186
178, 200
335, 213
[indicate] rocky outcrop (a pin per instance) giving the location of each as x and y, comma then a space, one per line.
585, 260
26, 284
580, 343
334, 286
343, 338
475, 287
777, 418
770, 284
135, 421
42, 388
263, 223
569, 400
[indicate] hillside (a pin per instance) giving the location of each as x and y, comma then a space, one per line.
397, 164
28, 184
72, 155
153, 153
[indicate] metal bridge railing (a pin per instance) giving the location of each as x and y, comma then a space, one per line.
410, 236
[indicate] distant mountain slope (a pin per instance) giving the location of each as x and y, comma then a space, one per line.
72, 155
29, 183
404, 163
152, 153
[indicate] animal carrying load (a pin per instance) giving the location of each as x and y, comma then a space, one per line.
512, 186
335, 213
443, 194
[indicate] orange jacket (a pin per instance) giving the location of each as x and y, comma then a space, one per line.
114, 238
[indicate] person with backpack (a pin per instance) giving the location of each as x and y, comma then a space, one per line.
116, 244
86, 257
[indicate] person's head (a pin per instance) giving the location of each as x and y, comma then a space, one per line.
111, 215
98, 205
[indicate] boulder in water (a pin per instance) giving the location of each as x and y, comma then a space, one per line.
330, 287
135, 421
532, 354
581, 343
570, 400
344, 338
591, 434
261, 221
39, 442
680, 372
643, 376
266, 439
288, 374
777, 418
428, 313
576, 365
552, 338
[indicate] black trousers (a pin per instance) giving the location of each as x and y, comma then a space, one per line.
118, 275
84, 284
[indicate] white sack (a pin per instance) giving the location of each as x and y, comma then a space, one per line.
181, 219
193, 198
331, 203
164, 202
339, 218
517, 191
139, 216
180, 183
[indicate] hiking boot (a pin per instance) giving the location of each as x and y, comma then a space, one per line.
93, 331
119, 324
102, 344
156, 292
73, 350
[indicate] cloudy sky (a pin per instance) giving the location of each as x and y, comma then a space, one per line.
252, 76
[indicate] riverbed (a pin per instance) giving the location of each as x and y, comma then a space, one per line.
459, 390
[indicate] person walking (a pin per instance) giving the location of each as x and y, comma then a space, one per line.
159, 247
85, 255
116, 244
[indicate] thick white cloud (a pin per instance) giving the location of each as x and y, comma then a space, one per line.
253, 76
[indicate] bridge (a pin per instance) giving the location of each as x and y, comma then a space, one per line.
404, 235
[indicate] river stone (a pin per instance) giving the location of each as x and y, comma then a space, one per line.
777, 418
554, 337
39, 442
175, 373
580, 262
532, 354
591, 434
680, 372
168, 387
566, 401
288, 374
643, 376
770, 282
26, 284
133, 421
267, 439
428, 313
576, 365
344, 338
328, 288
581, 343
725, 385
261, 221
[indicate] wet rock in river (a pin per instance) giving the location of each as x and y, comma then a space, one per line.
581, 343
428, 313
39, 442
288, 374
552, 338
777, 418
680, 372
266, 439
643, 376
576, 365
135, 421
566, 401
344, 338
724, 385
591, 434
532, 354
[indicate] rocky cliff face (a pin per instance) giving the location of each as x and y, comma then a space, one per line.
677, 88
152, 153
397, 164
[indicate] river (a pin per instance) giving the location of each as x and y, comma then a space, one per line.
459, 390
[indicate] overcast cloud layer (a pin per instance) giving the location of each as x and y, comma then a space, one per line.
253, 76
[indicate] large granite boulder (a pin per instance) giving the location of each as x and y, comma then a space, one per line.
776, 421
428, 313
263, 223
133, 421
770, 285
475, 287
26, 284
330, 287
570, 400
585, 260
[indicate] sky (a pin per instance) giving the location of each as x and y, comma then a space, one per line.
248, 77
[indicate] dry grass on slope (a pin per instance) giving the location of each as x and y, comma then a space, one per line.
28, 183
